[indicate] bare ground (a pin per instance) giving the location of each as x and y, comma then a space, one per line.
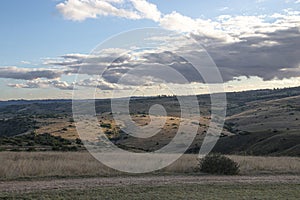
87, 183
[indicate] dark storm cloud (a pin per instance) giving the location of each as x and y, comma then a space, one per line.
264, 57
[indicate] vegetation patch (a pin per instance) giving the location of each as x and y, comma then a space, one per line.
218, 164
16, 125
33, 142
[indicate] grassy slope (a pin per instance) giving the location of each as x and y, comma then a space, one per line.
265, 128
270, 118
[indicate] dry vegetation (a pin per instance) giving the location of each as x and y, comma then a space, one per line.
260, 164
170, 191
49, 164
15, 165
268, 115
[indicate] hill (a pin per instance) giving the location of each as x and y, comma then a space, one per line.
260, 122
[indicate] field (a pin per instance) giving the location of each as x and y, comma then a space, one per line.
77, 175
20, 165
182, 191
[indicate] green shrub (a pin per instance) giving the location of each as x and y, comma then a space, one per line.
218, 164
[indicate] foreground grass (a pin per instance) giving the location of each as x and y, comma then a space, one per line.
185, 191
16, 165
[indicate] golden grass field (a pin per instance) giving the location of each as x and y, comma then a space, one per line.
16, 165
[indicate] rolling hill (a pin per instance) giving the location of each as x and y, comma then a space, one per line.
261, 122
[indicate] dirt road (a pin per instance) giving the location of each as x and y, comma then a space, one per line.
52, 184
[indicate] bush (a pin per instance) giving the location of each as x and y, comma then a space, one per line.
30, 149
55, 148
78, 141
218, 164
104, 125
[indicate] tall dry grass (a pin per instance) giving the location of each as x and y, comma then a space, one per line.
14, 165
48, 164
273, 165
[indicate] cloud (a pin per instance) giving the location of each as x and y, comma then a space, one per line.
263, 53
79, 10
132, 68
206, 28
28, 73
260, 1
147, 10
25, 62
224, 8
262, 57
265, 46
226, 28
246, 45
97, 82
40, 83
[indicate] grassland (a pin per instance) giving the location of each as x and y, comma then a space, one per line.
182, 191
20, 165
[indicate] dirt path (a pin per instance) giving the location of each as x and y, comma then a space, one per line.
27, 186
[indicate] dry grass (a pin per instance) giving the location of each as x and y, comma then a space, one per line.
49, 164
16, 165
259, 164
58, 127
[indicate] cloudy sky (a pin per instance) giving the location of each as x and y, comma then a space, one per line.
44, 44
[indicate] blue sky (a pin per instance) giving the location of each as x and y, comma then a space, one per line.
34, 30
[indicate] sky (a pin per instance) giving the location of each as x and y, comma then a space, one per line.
44, 45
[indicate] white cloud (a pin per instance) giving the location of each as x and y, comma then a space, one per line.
100, 83
42, 83
147, 10
260, 1
225, 28
79, 10
224, 8
177, 22
25, 62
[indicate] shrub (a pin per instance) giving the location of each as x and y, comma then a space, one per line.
69, 148
55, 148
218, 164
30, 149
78, 141
104, 125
